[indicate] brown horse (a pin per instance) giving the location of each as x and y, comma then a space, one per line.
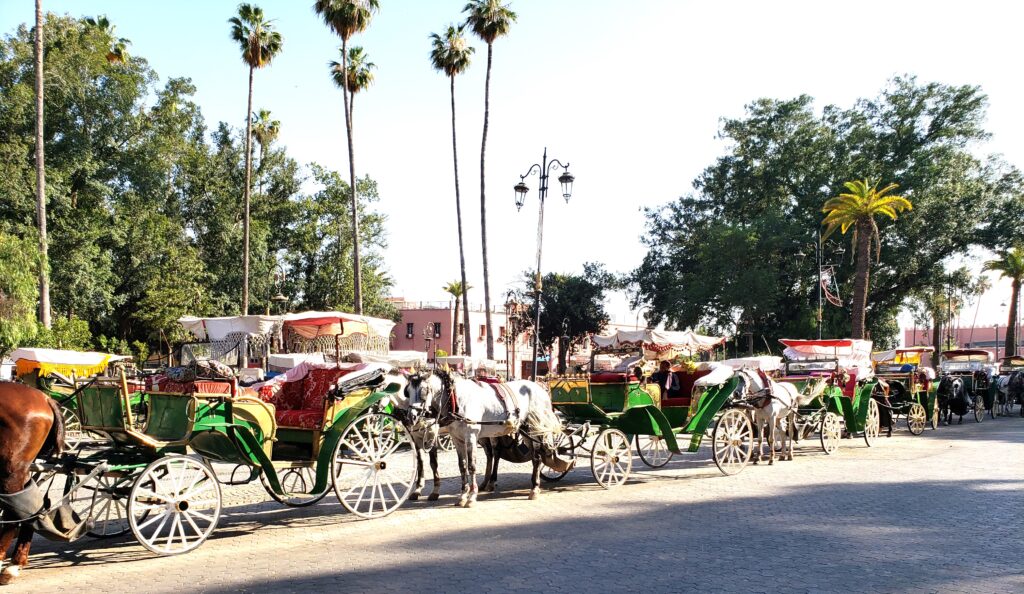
30, 426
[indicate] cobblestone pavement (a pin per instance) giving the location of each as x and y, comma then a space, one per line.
940, 512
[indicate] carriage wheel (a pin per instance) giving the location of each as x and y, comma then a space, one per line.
73, 434
935, 415
916, 418
653, 450
831, 432
566, 445
297, 484
733, 441
872, 423
979, 408
104, 499
611, 459
174, 505
374, 466
445, 443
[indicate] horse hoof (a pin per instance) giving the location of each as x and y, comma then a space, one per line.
9, 574
470, 503
433, 497
770, 462
414, 496
533, 495
460, 503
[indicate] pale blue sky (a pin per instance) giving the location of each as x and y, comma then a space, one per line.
629, 92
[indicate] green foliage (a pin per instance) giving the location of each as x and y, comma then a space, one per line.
440, 353
571, 305
737, 253
71, 334
19, 292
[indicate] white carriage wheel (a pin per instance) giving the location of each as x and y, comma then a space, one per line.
611, 459
831, 433
104, 499
872, 422
979, 408
174, 505
732, 441
374, 466
445, 443
917, 418
653, 450
297, 486
566, 445
73, 434
935, 415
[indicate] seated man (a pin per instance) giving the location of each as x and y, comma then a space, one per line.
667, 381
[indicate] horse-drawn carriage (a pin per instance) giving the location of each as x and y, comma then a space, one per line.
1009, 385
607, 413
845, 364
965, 383
909, 387
315, 429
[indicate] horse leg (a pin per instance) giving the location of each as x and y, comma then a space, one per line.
760, 438
419, 475
460, 447
772, 422
8, 574
489, 447
436, 492
471, 440
19, 559
535, 478
790, 435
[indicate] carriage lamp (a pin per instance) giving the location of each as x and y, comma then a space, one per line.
566, 180
521, 190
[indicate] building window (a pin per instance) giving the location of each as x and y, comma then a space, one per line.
437, 329
483, 331
409, 330
501, 333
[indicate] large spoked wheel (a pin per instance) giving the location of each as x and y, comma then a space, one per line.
374, 466
297, 484
445, 443
566, 445
733, 441
935, 415
611, 459
831, 433
73, 434
979, 409
174, 505
872, 423
653, 450
104, 499
916, 418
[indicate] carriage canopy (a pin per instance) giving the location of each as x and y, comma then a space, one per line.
217, 329
659, 344
904, 355
67, 363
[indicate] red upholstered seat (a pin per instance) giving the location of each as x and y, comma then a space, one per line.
675, 402
608, 377
300, 403
302, 419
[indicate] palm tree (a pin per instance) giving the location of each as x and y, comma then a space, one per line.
1010, 264
44, 261
450, 54
489, 21
118, 52
857, 209
259, 44
360, 75
346, 18
265, 130
458, 290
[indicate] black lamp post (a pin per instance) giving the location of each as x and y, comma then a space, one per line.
566, 180
428, 335
819, 258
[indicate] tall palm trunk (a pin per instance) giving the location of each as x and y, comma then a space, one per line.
357, 273
248, 181
455, 327
462, 254
483, 209
860, 283
44, 260
1011, 323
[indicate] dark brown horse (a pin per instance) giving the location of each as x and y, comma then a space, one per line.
30, 426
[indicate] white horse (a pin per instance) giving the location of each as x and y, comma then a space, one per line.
774, 403
517, 423
422, 429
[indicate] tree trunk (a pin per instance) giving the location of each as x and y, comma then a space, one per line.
455, 328
936, 336
462, 254
1011, 323
563, 354
44, 259
483, 209
248, 181
860, 282
357, 273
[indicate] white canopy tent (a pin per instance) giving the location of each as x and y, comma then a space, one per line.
659, 344
214, 329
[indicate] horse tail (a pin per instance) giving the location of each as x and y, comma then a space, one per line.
541, 417
54, 444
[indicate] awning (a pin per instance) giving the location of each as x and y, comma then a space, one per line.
68, 363
902, 355
219, 328
659, 341
850, 352
310, 324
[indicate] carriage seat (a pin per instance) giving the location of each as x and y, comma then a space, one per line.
608, 377
300, 404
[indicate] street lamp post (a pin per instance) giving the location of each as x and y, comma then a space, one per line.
428, 335
566, 179
819, 259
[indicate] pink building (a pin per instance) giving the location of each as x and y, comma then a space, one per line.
437, 319
989, 338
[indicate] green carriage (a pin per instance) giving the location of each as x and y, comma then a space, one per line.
909, 385
159, 481
845, 363
975, 370
609, 413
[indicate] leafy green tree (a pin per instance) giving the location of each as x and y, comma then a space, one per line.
451, 55
346, 18
259, 44
572, 306
489, 20
458, 292
265, 130
118, 52
19, 292
1010, 265
856, 209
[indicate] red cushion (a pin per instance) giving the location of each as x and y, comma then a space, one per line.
608, 377
302, 419
316, 385
675, 402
